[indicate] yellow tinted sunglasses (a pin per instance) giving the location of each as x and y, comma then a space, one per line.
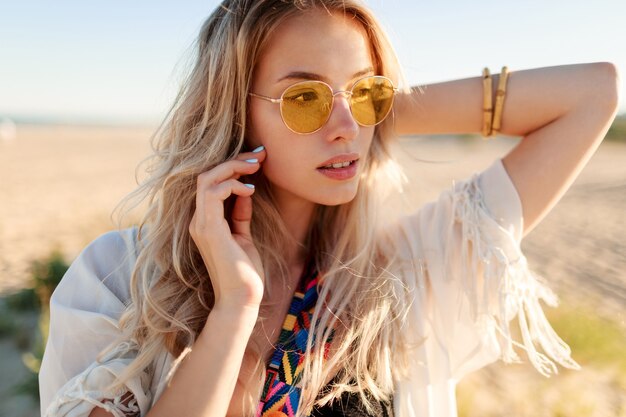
306, 106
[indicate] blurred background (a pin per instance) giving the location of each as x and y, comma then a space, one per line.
83, 86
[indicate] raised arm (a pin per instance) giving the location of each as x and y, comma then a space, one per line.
562, 113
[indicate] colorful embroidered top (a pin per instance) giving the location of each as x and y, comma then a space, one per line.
281, 393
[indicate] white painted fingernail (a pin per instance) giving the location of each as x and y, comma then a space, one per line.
259, 149
252, 161
249, 185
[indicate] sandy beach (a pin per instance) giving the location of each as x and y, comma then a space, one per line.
58, 186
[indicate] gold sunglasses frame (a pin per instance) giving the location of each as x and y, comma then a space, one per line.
347, 93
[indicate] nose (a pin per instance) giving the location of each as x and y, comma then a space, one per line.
341, 123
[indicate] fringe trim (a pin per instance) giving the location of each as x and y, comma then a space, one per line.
80, 390
75, 393
509, 288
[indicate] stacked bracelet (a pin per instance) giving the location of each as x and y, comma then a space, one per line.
492, 120
487, 106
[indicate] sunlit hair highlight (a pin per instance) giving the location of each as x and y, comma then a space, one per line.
170, 286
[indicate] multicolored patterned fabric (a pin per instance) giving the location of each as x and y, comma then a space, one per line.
281, 393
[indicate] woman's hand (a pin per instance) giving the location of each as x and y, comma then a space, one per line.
232, 260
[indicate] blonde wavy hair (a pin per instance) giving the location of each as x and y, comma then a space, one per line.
170, 286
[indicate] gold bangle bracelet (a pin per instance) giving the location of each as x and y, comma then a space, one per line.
487, 104
500, 94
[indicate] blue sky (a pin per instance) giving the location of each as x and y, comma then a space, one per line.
120, 61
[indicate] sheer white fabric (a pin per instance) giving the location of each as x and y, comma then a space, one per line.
460, 258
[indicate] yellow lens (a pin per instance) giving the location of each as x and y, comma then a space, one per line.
372, 98
306, 106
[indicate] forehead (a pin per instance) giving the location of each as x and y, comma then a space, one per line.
331, 45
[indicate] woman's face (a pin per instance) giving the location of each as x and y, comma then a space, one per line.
330, 48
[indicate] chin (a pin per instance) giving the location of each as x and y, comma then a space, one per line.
338, 199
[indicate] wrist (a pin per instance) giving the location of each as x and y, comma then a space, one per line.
241, 316
230, 323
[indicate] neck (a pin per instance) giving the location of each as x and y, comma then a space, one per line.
297, 215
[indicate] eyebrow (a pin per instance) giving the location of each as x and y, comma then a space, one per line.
303, 75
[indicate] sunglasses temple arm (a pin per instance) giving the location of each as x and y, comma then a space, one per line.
273, 100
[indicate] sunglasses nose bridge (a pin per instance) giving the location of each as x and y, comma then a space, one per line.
343, 107
347, 94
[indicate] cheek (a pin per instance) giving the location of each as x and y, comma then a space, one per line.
286, 150
285, 159
264, 121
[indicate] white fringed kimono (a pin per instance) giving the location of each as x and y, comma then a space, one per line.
463, 261
460, 258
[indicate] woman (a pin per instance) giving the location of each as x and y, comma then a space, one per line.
263, 279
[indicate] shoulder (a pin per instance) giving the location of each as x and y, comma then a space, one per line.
102, 269
113, 244
85, 310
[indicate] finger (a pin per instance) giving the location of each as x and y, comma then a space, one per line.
226, 188
227, 170
210, 201
242, 215
259, 153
